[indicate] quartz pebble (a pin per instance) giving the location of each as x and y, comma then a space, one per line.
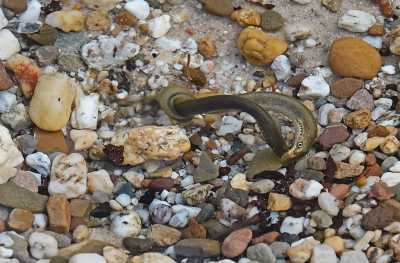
99, 181
10, 156
281, 67
99, 5
9, 44
356, 21
42, 246
159, 26
313, 87
126, 225
66, 20
85, 114
87, 257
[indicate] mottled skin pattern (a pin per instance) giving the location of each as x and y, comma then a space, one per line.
181, 104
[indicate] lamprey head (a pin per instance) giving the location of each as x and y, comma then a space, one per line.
173, 95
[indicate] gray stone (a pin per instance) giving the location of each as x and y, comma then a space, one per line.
58, 259
333, 5
154, 3
137, 245
322, 218
206, 170
279, 249
70, 63
8, 13
205, 214
28, 143
71, 42
396, 190
271, 20
18, 197
214, 228
193, 247
24, 27
262, 253
362, 99
388, 162
62, 240
238, 196
20, 248
378, 155
263, 186
47, 55
5, 212
310, 175
353, 256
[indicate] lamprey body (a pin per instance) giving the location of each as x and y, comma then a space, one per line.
181, 104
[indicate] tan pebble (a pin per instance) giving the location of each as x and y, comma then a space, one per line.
97, 20
337, 243
134, 178
329, 232
376, 30
83, 139
81, 233
371, 143
377, 235
239, 182
210, 118
378, 131
278, 202
340, 191
207, 47
163, 172
335, 115
246, 17
211, 145
345, 170
126, 19
20, 220
66, 20
309, 104
358, 119
392, 130
390, 146
298, 254
373, 253
59, 213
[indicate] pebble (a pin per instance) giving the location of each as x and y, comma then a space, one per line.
333, 133
101, 211
137, 245
236, 243
97, 20
231, 210
66, 20
356, 157
47, 55
323, 113
59, 213
180, 219
246, 17
208, 49
159, 26
83, 139
239, 182
140, 9
205, 213
104, 4
251, 40
299, 254
279, 202
297, 32
81, 233
358, 119
40, 162
26, 180
345, 170
292, 225
100, 181
371, 143
42, 246
173, 139
260, 252
332, 5
85, 113
271, 20
361, 61
87, 257
126, 225
18, 6
80, 208
328, 203
346, 87
219, 8
9, 44
313, 87
5, 78
281, 67
134, 178
305, 190
339, 152
353, 256
47, 35
194, 231
390, 146
196, 194
163, 235
8, 173
20, 220
50, 108
262, 186
114, 255
152, 257
206, 170
356, 21
160, 213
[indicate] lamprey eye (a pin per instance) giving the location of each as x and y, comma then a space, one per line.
300, 145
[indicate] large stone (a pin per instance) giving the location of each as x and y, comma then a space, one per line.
206, 170
354, 58
151, 143
346, 87
219, 8
193, 247
10, 156
66, 20
163, 235
18, 197
87, 246
260, 48
50, 107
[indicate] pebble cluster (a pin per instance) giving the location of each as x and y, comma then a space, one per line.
91, 170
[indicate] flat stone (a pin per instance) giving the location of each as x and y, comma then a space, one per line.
5, 79
47, 35
50, 142
236, 243
362, 99
345, 170
18, 6
296, 80
59, 213
219, 8
137, 245
18, 197
102, 210
196, 194
205, 214
206, 170
194, 231
87, 246
163, 235
47, 55
26, 180
238, 196
354, 58
20, 220
160, 184
332, 5
261, 252
70, 63
192, 247
381, 191
333, 133
346, 87
80, 208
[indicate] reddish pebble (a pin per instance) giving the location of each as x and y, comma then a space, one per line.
373, 170
194, 231
160, 184
381, 191
192, 221
75, 222
268, 238
370, 159
26, 180
236, 243
340, 191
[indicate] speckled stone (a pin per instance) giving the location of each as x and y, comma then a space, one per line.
271, 20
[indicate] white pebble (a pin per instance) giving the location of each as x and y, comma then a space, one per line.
323, 113
323, 253
40, 222
361, 138
5, 253
313, 87
391, 179
9, 44
188, 181
159, 26
40, 162
339, 152
292, 225
207, 66
85, 114
356, 157
167, 44
193, 211
246, 138
375, 41
180, 219
140, 9
32, 13
356, 21
296, 32
389, 69
395, 168
310, 42
3, 19
87, 258
281, 67
115, 205
305, 190
229, 124
328, 203
42, 246
126, 225
123, 199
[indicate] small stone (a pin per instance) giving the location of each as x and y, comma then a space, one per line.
268, 238
87, 257
83, 139
278, 202
114, 255
333, 133
126, 19
260, 48
296, 32
88, 246
305, 190
346, 87
340, 191
207, 47
299, 254
66, 20
192, 247
97, 20
230, 210
236, 243
7, 173
4, 78
353, 57
194, 231
152, 257
345, 170
59, 213
128, 224
378, 131
358, 119
101, 211
323, 253
80, 208
99, 181
390, 146
313, 87
261, 252
138, 8
47, 55
219, 8
279, 249
137, 245
196, 194
239, 182
316, 163
50, 142
205, 214
246, 17
20, 220
371, 143
47, 35
160, 184
376, 30
271, 20
26, 180
161, 213
9, 44
163, 235
323, 113
356, 21
70, 63
281, 67
353, 256
159, 26
328, 203
206, 170
262, 186
381, 191
322, 219
296, 80
332, 5
42, 246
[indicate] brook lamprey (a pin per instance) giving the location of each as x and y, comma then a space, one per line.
181, 104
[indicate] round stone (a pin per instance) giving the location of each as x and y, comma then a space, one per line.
354, 58
236, 243
271, 20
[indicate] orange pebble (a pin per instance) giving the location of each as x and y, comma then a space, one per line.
192, 221
361, 181
218, 215
77, 6
190, 31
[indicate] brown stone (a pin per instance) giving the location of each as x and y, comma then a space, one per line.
80, 208
340, 191
362, 99
332, 5
160, 184
5, 79
26, 180
219, 8
333, 133
345, 170
2, 225
87, 246
59, 213
211, 145
268, 238
377, 218
354, 58
278, 202
316, 163
50, 142
163, 235
376, 30
97, 20
373, 170
16, 6
346, 87
358, 119
75, 222
207, 47
196, 76
20, 220
379, 131
370, 159
381, 191
194, 231
236, 243
126, 19
296, 80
